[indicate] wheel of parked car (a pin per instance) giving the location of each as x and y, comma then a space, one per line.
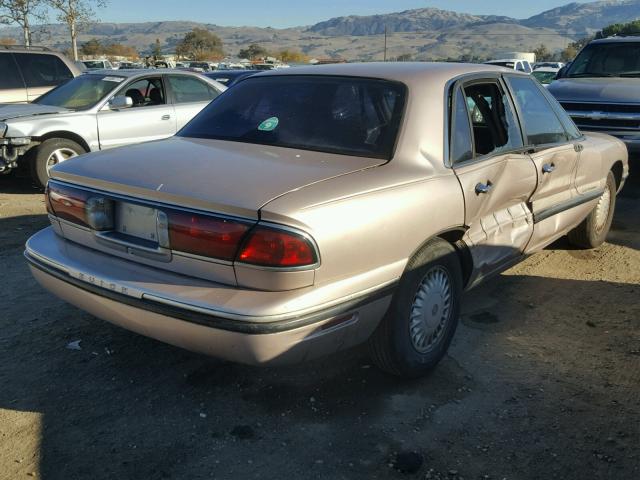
423, 316
593, 231
48, 154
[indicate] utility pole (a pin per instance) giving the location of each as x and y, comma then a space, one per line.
385, 43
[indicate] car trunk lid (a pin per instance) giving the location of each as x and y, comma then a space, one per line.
219, 176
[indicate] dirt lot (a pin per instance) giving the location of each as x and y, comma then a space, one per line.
542, 382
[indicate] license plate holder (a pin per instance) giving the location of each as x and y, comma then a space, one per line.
137, 221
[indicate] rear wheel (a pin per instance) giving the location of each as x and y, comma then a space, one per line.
593, 231
50, 153
423, 316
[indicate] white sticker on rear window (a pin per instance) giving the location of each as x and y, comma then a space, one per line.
112, 79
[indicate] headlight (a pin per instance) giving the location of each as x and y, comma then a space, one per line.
3, 129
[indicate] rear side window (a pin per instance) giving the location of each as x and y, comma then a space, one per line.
186, 90
493, 121
541, 125
461, 148
343, 115
41, 70
9, 74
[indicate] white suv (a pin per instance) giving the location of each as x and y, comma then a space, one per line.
513, 63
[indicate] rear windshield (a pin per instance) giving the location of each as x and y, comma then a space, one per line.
344, 115
82, 92
616, 59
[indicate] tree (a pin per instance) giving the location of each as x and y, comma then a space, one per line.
405, 57
76, 14
23, 12
92, 48
542, 54
156, 50
631, 28
200, 44
292, 56
253, 52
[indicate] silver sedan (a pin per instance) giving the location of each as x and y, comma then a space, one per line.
98, 111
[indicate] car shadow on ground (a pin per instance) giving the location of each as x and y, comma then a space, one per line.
17, 184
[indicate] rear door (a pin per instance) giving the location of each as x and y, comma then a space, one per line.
555, 155
12, 87
189, 95
150, 117
42, 72
496, 176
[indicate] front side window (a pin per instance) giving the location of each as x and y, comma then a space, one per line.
187, 89
520, 67
9, 74
147, 92
41, 70
541, 125
82, 92
343, 115
494, 124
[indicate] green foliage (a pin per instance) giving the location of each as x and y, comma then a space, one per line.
405, 57
200, 44
543, 54
253, 52
631, 28
91, 48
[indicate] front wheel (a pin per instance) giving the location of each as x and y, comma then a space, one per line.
48, 154
423, 316
593, 231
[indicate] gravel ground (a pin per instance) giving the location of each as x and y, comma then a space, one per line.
542, 382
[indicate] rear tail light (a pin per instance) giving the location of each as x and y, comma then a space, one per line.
271, 247
203, 235
67, 203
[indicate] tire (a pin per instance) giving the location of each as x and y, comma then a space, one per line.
49, 153
395, 346
593, 231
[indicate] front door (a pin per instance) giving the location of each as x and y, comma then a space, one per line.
496, 177
150, 118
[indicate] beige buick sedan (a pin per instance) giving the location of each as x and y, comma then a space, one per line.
309, 210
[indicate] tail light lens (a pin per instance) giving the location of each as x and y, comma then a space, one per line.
271, 247
67, 203
204, 235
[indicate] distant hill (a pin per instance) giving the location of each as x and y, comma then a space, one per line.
425, 33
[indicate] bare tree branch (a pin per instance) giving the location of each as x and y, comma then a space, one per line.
24, 13
76, 14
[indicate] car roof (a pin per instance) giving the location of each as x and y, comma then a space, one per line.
406, 72
615, 39
507, 60
135, 72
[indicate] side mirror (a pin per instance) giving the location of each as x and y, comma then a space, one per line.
116, 103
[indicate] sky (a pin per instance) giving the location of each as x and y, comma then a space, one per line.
290, 13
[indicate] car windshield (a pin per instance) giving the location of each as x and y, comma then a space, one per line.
94, 64
607, 60
544, 77
82, 92
343, 115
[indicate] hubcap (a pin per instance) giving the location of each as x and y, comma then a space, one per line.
59, 155
430, 310
602, 209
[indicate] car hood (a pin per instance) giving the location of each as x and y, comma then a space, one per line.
596, 90
213, 175
9, 111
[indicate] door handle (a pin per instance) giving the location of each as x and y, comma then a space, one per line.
548, 168
484, 187
165, 117
578, 147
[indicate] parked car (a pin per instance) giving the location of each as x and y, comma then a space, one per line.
98, 64
601, 89
230, 77
545, 75
556, 65
28, 72
130, 66
200, 66
513, 64
99, 110
308, 210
